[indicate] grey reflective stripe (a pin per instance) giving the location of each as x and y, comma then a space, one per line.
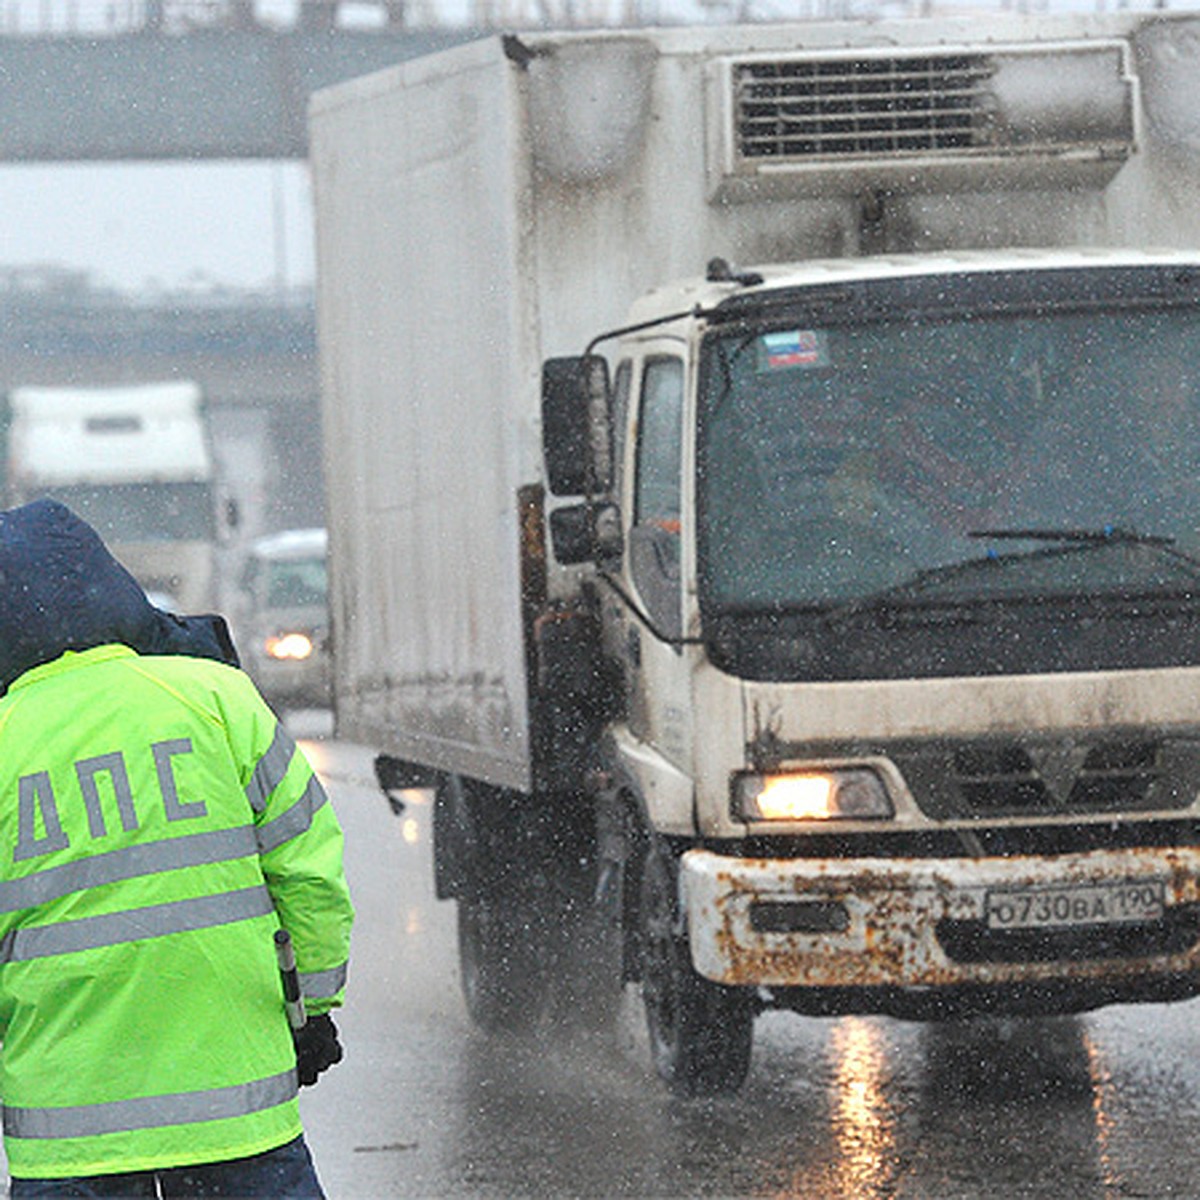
134, 925
270, 769
320, 985
295, 821
130, 862
151, 1112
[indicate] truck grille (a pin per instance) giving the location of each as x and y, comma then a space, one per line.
1081, 776
1011, 779
907, 105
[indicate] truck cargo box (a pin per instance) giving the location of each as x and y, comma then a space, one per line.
499, 203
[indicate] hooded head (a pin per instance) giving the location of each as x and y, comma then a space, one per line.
60, 589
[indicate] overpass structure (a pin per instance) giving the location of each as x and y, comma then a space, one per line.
159, 90
153, 91
126, 80
217, 93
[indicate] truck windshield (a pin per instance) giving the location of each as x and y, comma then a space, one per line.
296, 583
842, 463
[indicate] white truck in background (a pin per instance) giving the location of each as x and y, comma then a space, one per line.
135, 462
834, 636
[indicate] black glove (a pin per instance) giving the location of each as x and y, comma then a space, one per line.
317, 1048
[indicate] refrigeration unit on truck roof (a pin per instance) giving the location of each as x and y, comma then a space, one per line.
922, 119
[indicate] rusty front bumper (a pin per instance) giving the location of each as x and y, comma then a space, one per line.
921, 923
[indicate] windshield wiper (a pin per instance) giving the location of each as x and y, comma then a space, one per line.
1074, 538
1108, 533
949, 608
1073, 541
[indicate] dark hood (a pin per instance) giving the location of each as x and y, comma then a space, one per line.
60, 589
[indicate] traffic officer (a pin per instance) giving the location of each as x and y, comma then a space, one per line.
157, 827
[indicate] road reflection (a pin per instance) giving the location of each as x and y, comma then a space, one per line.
319, 756
877, 1108
997, 1061
864, 1119
1102, 1101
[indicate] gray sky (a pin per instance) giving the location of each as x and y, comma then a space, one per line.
168, 225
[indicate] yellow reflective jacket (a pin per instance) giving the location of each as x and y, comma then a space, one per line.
157, 825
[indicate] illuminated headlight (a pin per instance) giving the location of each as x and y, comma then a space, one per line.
296, 646
844, 794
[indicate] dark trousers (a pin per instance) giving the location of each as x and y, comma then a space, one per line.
285, 1173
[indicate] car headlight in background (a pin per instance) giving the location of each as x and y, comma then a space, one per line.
838, 794
294, 646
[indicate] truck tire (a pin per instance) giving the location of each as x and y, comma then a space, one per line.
700, 1032
498, 966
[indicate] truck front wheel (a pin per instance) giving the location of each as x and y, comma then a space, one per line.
500, 973
700, 1032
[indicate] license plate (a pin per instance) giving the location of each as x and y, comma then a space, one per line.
1077, 904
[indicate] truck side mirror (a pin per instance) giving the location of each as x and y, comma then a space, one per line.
586, 533
576, 429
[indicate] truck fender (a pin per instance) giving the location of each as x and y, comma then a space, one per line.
624, 839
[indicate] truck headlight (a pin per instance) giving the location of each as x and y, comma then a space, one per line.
839, 794
296, 646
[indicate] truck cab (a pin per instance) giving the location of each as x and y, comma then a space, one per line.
905, 607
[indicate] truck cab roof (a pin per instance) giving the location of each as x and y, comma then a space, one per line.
686, 295
291, 543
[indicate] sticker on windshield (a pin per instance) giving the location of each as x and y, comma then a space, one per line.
792, 348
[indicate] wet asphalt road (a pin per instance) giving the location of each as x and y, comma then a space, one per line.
1103, 1106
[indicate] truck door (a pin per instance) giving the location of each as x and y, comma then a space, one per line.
657, 666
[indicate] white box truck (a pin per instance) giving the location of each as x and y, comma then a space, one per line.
135, 462
764, 499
